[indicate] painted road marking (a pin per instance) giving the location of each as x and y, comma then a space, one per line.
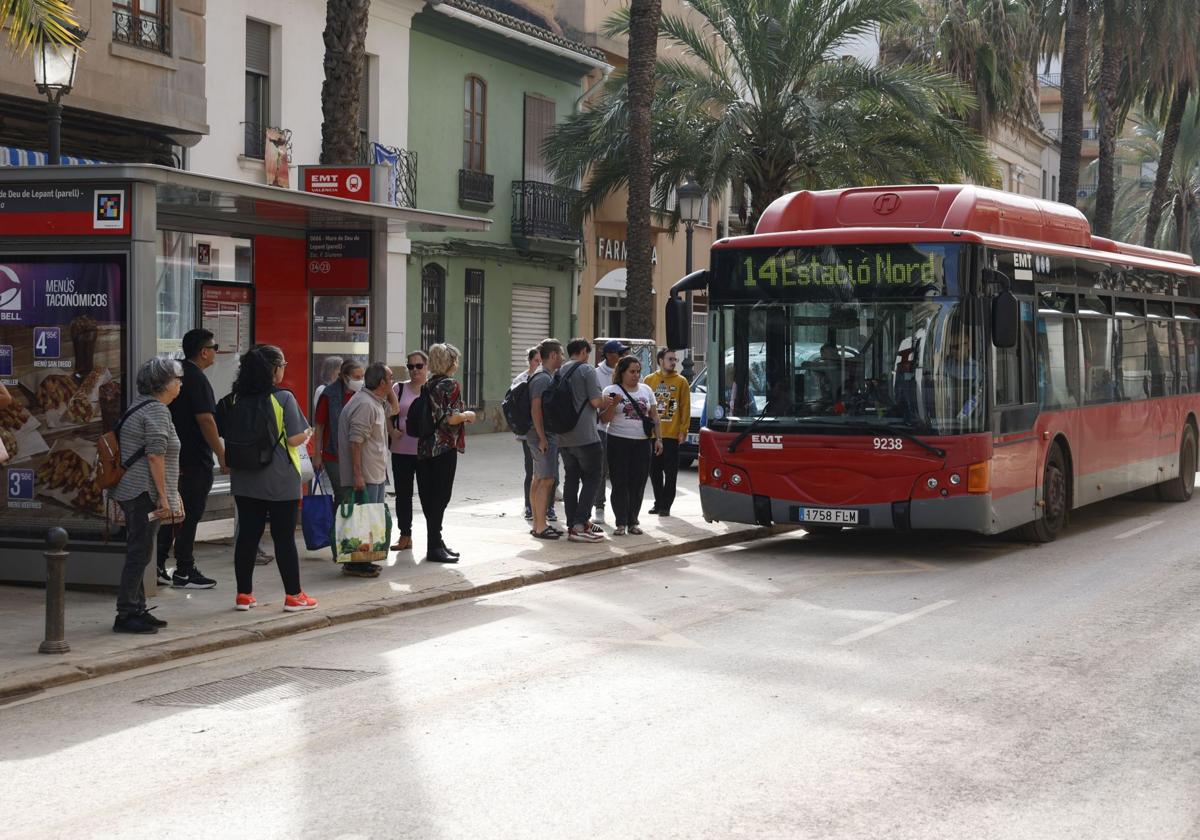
891, 622
1135, 531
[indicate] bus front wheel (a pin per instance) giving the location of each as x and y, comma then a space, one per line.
1179, 489
1055, 500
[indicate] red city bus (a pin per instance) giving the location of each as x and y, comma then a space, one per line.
941, 357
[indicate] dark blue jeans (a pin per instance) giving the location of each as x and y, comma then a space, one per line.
139, 544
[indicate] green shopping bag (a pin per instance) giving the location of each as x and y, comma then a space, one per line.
362, 531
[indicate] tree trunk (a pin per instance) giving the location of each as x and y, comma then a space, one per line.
1166, 161
1074, 82
1106, 98
643, 50
345, 60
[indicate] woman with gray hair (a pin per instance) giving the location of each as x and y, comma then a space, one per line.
149, 491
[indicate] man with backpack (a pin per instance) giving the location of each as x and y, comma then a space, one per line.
576, 397
517, 414
543, 446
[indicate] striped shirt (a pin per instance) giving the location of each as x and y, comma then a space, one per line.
150, 427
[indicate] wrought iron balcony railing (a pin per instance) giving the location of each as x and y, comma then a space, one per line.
545, 210
1050, 79
404, 168
478, 187
138, 31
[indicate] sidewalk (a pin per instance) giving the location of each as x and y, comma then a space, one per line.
484, 522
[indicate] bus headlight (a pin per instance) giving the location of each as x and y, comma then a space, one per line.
735, 479
716, 473
955, 479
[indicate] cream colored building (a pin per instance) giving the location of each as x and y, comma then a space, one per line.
139, 92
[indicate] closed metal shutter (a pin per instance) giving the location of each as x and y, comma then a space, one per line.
530, 321
258, 48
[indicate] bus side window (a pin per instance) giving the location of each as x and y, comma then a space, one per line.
1016, 381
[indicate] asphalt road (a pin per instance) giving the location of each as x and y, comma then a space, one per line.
865, 686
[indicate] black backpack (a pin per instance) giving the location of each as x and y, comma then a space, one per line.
518, 411
419, 423
559, 414
248, 427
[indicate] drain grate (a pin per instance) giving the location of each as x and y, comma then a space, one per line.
260, 688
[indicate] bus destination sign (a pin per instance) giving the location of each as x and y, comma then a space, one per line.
867, 271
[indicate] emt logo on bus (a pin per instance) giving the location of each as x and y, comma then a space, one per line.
766, 441
878, 270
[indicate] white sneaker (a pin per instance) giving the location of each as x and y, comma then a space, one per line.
575, 535
598, 516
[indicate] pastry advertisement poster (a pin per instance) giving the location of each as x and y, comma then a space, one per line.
61, 358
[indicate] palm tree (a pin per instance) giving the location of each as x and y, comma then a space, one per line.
1179, 227
644, 16
1172, 74
986, 45
345, 61
1119, 24
32, 21
1064, 26
760, 97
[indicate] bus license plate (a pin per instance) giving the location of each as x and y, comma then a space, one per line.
826, 516
693, 438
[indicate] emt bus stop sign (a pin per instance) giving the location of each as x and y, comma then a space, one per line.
358, 183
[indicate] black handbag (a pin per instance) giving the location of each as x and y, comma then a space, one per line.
647, 423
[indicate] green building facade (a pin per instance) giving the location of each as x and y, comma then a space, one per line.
486, 89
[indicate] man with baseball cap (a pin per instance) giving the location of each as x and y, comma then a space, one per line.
613, 350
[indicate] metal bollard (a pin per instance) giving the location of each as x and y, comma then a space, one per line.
56, 592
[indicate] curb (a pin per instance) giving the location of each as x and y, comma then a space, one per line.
26, 685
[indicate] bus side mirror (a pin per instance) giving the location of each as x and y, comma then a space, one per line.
679, 324
1005, 319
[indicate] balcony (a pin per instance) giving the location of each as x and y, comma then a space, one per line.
1050, 80
403, 163
137, 31
545, 218
476, 189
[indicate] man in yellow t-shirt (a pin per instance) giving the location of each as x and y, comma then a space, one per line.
673, 395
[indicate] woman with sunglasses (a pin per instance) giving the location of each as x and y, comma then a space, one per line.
404, 448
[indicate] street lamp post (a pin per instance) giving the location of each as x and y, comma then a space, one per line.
691, 201
54, 75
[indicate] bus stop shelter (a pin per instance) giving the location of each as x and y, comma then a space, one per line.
102, 267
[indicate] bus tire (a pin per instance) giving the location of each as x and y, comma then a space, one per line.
1179, 489
1056, 500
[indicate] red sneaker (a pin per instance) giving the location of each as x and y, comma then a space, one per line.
299, 603
245, 601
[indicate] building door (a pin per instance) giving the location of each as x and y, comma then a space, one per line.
433, 305
530, 321
473, 338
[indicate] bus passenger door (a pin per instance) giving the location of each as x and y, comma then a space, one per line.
1015, 449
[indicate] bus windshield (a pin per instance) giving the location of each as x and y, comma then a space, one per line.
850, 353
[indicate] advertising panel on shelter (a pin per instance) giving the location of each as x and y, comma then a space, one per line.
62, 356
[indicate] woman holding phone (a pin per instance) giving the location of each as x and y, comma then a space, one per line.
631, 413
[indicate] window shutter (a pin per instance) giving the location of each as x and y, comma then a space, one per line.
258, 48
539, 122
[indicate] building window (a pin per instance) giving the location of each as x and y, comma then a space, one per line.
539, 124
141, 23
258, 87
473, 339
609, 316
433, 300
475, 125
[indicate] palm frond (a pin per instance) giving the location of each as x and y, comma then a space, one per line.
34, 21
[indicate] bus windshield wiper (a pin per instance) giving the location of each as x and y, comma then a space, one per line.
884, 430
745, 433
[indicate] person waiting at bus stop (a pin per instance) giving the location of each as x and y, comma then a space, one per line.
632, 419
673, 399
327, 414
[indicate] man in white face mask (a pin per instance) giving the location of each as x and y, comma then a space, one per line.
327, 415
